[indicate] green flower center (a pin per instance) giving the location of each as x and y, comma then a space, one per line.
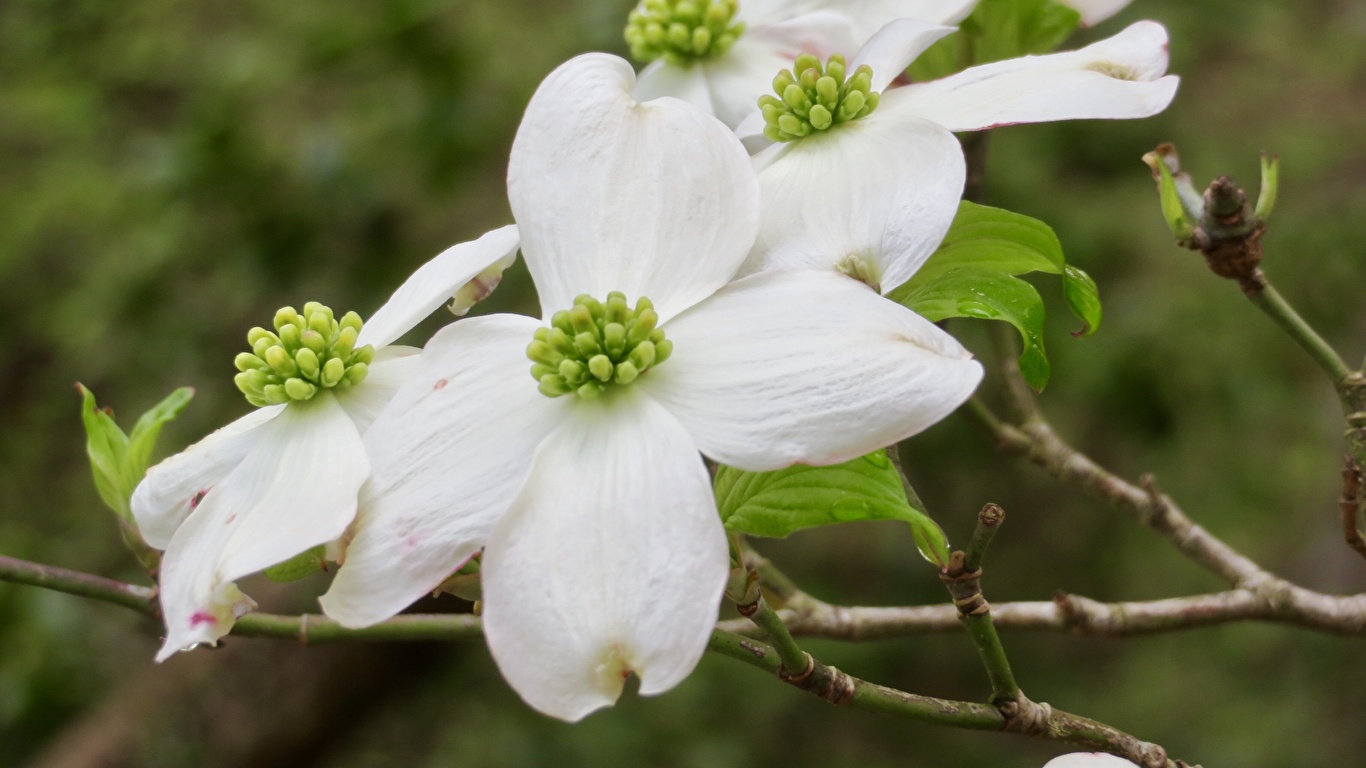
308, 352
682, 31
817, 98
595, 344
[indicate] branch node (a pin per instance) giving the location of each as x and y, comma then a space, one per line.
1024, 716
786, 675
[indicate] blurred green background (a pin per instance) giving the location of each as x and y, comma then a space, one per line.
171, 171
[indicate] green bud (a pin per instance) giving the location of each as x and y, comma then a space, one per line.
815, 97
247, 361
682, 31
601, 367
298, 389
307, 360
310, 351
333, 371
596, 345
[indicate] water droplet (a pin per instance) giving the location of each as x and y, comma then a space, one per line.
849, 509
974, 309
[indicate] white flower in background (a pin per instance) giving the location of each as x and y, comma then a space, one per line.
719, 55
1089, 760
867, 180
284, 479
604, 554
1094, 12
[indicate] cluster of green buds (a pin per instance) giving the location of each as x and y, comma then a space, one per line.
308, 352
682, 31
816, 98
594, 344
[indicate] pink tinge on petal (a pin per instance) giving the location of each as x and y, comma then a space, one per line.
202, 617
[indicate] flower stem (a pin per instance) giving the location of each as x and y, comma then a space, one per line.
1266, 298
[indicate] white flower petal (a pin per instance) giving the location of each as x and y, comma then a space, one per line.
1113, 79
895, 46
1089, 760
295, 490
759, 13
1095, 11
654, 199
805, 366
873, 15
661, 79
882, 190
612, 560
449, 454
436, 282
172, 489
746, 72
392, 368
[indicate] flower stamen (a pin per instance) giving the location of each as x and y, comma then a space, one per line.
594, 344
308, 352
817, 98
682, 31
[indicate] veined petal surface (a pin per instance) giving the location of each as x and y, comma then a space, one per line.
611, 561
295, 490
882, 190
873, 15
172, 489
449, 454
1117, 78
651, 199
895, 46
660, 79
806, 366
391, 369
434, 283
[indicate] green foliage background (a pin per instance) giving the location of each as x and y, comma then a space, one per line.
171, 171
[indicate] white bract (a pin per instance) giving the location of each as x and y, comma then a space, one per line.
1089, 760
1095, 11
284, 478
604, 554
874, 196
723, 72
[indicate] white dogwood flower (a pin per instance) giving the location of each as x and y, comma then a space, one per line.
867, 180
720, 54
1089, 760
604, 554
1094, 12
284, 478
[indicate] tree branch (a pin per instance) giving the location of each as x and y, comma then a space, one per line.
839, 688
825, 682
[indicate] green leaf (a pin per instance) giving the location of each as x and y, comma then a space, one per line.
106, 445
299, 566
1083, 298
146, 431
1005, 29
776, 504
995, 240
987, 295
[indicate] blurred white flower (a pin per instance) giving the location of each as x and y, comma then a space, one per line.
1095, 11
1089, 760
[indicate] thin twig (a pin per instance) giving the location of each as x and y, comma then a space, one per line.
839, 688
988, 523
1270, 301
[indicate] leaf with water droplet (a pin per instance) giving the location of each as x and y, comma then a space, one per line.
987, 295
776, 504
